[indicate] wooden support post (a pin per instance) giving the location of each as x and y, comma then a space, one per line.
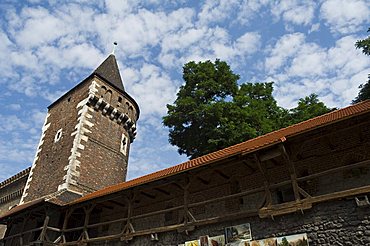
266, 183
187, 216
65, 223
25, 219
87, 210
128, 229
44, 229
292, 172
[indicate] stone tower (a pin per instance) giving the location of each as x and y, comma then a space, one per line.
85, 139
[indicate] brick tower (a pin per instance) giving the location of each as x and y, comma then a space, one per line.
85, 139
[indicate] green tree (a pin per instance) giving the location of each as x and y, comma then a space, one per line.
284, 242
364, 44
364, 92
307, 108
199, 118
212, 112
259, 109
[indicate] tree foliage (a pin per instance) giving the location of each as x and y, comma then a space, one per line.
284, 242
212, 112
364, 44
307, 108
199, 119
364, 92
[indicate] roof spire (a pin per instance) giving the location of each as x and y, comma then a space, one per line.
109, 71
114, 47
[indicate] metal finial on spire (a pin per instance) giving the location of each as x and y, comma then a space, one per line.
114, 47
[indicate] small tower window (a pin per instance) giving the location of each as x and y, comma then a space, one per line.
124, 142
58, 135
119, 99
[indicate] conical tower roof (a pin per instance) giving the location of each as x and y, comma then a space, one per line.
109, 71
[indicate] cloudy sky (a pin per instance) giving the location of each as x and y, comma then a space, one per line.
47, 47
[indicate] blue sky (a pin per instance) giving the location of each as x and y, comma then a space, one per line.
47, 47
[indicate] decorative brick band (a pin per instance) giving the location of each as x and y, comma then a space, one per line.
114, 114
83, 126
29, 179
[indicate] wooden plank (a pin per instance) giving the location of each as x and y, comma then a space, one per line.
333, 170
225, 217
306, 203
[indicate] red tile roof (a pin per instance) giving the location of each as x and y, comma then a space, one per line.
21, 207
241, 148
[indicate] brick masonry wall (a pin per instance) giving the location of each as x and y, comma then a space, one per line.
88, 156
53, 157
10, 195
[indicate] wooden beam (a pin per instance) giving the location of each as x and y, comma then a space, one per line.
221, 174
225, 217
266, 183
162, 191
292, 172
147, 195
206, 182
250, 168
334, 170
306, 203
117, 203
44, 228
270, 154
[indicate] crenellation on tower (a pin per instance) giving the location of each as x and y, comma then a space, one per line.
86, 138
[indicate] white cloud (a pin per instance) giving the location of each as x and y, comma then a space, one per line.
207, 44
247, 10
309, 68
152, 89
286, 47
214, 11
14, 106
294, 11
315, 27
343, 16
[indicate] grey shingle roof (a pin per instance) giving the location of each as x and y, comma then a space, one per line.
109, 71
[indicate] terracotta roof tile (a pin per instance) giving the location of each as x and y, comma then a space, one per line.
241, 148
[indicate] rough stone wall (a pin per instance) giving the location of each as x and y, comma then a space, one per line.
326, 224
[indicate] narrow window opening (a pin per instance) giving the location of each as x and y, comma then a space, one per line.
58, 135
124, 142
120, 99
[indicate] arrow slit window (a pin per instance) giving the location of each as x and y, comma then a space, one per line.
124, 142
58, 135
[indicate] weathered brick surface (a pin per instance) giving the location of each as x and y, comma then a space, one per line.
49, 170
10, 194
100, 161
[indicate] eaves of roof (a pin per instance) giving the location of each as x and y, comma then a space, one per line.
241, 148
